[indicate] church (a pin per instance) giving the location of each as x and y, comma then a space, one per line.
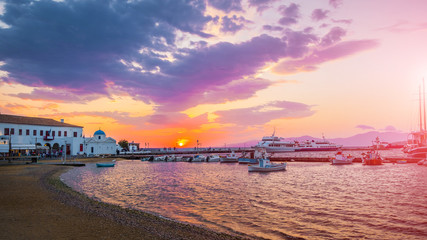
100, 144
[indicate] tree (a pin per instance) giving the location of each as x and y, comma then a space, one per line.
124, 144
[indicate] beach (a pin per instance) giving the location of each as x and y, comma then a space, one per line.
35, 204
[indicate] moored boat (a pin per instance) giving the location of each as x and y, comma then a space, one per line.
340, 159
372, 158
213, 158
266, 166
106, 164
246, 158
230, 158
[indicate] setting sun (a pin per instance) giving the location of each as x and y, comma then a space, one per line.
181, 142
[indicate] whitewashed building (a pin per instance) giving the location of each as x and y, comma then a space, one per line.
28, 134
100, 144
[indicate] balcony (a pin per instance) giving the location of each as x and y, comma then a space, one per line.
48, 138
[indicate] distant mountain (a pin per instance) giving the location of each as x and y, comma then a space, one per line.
363, 139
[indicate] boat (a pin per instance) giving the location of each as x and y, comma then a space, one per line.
106, 164
213, 158
276, 144
266, 166
422, 162
198, 158
340, 159
252, 158
230, 158
317, 145
372, 158
401, 161
416, 146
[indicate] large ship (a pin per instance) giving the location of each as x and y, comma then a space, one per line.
313, 145
277, 144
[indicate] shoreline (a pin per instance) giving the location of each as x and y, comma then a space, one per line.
36, 204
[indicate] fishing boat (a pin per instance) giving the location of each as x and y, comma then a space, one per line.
230, 158
106, 164
372, 158
266, 166
340, 159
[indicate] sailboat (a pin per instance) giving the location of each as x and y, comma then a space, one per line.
416, 146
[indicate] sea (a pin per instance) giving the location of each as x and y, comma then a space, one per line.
308, 200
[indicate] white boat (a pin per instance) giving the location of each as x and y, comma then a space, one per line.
198, 158
276, 144
266, 166
214, 158
320, 145
372, 158
340, 159
230, 158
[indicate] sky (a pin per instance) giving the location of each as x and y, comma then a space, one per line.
166, 73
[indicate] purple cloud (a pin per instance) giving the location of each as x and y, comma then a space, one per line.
226, 5
404, 26
262, 114
233, 24
317, 57
345, 21
298, 42
390, 128
332, 37
290, 14
272, 28
319, 14
365, 127
261, 5
335, 3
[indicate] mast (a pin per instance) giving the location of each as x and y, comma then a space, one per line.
424, 104
421, 116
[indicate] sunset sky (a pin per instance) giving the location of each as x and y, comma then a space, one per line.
220, 71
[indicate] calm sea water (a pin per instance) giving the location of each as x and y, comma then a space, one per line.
310, 200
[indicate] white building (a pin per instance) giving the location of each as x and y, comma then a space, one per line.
100, 144
28, 134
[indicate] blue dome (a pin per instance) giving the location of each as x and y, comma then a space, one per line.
99, 132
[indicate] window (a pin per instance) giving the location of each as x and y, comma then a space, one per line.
81, 147
53, 133
59, 133
6, 131
20, 131
27, 132
75, 134
41, 132
12, 131
34, 132
65, 133
99, 137
47, 133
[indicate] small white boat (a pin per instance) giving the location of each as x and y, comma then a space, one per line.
230, 158
340, 159
266, 166
198, 158
214, 158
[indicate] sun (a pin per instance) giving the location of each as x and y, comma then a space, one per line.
181, 142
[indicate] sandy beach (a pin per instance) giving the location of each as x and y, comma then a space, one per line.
35, 204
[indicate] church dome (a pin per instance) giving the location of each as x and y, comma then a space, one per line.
99, 132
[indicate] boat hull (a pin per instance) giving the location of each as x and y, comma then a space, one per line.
248, 161
373, 162
341, 162
279, 167
105, 164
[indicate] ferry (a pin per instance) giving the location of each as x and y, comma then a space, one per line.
276, 144
313, 145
